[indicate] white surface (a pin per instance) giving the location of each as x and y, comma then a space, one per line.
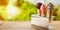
40, 21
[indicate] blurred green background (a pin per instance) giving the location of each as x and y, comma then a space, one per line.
27, 9
56, 13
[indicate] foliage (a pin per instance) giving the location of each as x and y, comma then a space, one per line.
57, 12
26, 10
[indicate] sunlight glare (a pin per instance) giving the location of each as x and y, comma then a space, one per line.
12, 10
